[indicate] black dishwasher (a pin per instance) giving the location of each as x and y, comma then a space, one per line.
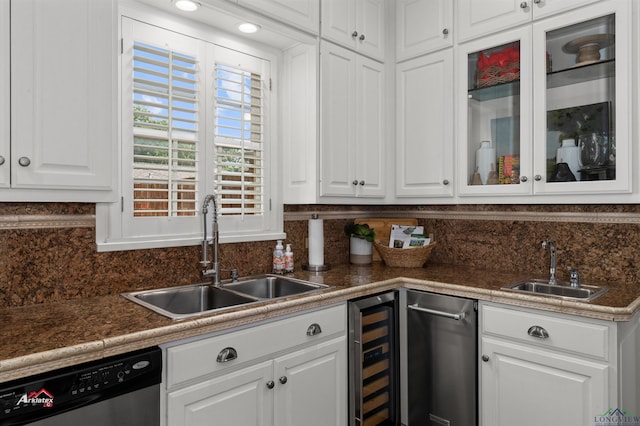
440, 346
122, 390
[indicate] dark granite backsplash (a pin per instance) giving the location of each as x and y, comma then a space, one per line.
39, 265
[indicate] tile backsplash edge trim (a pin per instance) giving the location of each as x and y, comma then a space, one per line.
608, 218
89, 221
47, 221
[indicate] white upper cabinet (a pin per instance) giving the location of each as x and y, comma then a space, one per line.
5, 90
63, 91
547, 109
422, 26
304, 14
481, 17
424, 126
352, 106
356, 24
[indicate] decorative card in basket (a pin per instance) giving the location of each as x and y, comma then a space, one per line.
500, 66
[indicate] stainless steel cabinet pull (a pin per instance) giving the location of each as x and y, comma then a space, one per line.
537, 331
456, 317
537, 1
354, 34
24, 161
445, 31
227, 354
361, 183
283, 379
361, 37
485, 358
314, 329
537, 178
445, 182
524, 179
1, 160
523, 5
270, 384
355, 182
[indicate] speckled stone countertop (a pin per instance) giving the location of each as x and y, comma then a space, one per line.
44, 337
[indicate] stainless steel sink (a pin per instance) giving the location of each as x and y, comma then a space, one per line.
585, 293
190, 300
197, 299
272, 286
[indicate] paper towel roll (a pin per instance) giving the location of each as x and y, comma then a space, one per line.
316, 242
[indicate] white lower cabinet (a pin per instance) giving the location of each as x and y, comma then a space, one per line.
544, 368
286, 372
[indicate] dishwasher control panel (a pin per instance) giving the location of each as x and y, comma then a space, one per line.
61, 390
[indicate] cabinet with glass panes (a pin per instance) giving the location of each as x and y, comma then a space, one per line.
547, 106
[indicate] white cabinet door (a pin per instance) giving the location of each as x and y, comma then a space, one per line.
369, 161
422, 26
312, 386
5, 106
355, 24
303, 14
244, 397
62, 94
481, 17
352, 124
424, 142
526, 386
337, 121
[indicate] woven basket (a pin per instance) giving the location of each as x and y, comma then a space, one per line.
413, 257
494, 74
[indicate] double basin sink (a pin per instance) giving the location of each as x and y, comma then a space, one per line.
583, 293
197, 299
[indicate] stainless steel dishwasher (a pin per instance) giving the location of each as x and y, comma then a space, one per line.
439, 376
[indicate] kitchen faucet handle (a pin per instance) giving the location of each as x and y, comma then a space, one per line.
234, 273
574, 277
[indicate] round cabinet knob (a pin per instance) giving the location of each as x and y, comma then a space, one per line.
361, 183
445, 182
361, 38
1, 160
485, 358
537, 1
24, 161
523, 178
270, 384
354, 182
354, 34
283, 379
523, 5
445, 31
537, 178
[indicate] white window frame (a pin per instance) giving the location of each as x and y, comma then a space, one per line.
116, 228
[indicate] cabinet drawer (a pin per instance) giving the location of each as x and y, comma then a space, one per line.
195, 359
561, 333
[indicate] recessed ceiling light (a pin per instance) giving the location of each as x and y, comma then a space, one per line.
186, 5
248, 28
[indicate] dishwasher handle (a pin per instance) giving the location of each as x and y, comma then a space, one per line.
457, 317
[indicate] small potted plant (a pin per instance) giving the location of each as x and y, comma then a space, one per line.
361, 237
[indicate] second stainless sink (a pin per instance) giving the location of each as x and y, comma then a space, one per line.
585, 293
272, 286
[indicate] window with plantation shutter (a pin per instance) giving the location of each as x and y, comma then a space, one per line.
195, 120
165, 129
239, 142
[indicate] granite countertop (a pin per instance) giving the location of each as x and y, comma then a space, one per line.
45, 337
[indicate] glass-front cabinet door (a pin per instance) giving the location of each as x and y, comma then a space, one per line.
546, 108
583, 98
495, 145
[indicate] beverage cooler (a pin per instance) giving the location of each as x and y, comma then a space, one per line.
373, 351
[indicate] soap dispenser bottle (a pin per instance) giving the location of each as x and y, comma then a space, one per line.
278, 258
288, 259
